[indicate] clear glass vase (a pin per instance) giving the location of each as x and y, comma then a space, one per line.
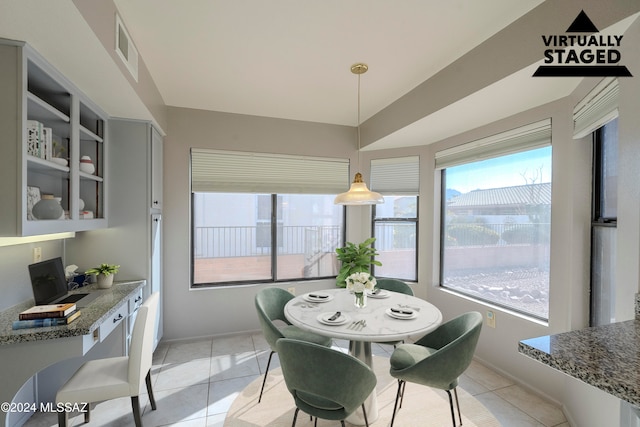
360, 299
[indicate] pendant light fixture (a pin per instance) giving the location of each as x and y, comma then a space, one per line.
358, 194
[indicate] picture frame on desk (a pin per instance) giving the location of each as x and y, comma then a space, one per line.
33, 197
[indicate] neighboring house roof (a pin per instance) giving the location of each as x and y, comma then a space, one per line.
532, 194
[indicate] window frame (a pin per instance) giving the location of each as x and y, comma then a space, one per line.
598, 222
273, 250
443, 234
415, 220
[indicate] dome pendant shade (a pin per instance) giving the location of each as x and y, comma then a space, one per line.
358, 194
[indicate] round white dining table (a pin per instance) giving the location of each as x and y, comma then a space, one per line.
361, 326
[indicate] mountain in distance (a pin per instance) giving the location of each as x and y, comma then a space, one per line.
451, 193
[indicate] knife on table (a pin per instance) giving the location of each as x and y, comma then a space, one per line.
334, 317
395, 310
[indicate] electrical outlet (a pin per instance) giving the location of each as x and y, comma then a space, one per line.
491, 319
37, 254
292, 290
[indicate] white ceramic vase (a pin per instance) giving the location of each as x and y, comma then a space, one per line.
104, 281
86, 165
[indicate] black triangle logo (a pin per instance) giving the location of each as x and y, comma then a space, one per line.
582, 24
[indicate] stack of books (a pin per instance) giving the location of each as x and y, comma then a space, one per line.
39, 140
40, 316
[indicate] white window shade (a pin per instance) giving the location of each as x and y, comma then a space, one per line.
596, 109
396, 176
524, 138
240, 172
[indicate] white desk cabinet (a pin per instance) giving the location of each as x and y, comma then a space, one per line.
54, 353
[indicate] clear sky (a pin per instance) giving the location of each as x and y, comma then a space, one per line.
505, 171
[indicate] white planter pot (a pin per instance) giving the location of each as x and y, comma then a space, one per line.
104, 282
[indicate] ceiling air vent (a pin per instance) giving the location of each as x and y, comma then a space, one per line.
125, 48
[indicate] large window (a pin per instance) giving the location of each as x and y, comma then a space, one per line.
496, 211
242, 233
395, 223
237, 237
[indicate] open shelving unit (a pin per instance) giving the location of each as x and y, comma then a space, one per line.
56, 126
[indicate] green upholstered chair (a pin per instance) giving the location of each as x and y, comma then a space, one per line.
270, 304
394, 285
437, 359
325, 383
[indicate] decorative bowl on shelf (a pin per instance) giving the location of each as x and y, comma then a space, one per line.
59, 161
48, 208
86, 165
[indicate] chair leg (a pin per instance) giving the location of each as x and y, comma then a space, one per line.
87, 413
135, 404
266, 371
63, 419
342, 423
152, 399
315, 424
455, 392
453, 415
364, 412
395, 406
295, 415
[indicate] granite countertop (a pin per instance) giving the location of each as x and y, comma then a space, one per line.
90, 318
606, 357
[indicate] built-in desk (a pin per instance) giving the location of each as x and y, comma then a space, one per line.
25, 352
605, 357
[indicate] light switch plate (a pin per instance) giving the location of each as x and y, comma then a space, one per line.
37, 254
491, 319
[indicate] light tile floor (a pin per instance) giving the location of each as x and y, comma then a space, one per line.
196, 381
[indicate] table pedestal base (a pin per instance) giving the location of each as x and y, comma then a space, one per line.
361, 350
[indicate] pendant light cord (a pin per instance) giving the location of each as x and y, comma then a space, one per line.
359, 122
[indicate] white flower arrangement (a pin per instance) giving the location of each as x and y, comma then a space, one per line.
359, 282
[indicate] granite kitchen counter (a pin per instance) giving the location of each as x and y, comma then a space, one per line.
90, 319
606, 357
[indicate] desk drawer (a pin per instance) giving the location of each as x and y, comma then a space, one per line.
112, 321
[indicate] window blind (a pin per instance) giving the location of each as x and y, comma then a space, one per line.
524, 138
596, 109
396, 176
243, 172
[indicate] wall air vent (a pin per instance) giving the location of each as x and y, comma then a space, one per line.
125, 48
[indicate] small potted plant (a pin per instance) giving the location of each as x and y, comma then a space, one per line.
57, 152
104, 274
355, 259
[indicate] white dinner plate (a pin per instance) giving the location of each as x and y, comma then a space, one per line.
402, 313
382, 293
324, 318
317, 297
